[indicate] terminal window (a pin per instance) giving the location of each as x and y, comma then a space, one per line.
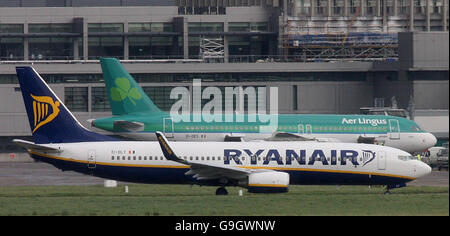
76, 98
100, 101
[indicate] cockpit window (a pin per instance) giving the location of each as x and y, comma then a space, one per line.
416, 128
407, 158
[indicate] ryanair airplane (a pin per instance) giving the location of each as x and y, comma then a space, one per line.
138, 118
261, 167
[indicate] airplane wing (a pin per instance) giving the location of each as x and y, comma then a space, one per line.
132, 126
30, 145
208, 171
202, 171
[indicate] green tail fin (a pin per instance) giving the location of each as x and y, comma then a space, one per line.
125, 95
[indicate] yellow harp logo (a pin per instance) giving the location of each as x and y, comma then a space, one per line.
42, 115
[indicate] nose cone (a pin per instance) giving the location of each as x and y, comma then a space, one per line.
422, 169
426, 141
431, 140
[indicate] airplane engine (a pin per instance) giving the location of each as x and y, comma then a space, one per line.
268, 182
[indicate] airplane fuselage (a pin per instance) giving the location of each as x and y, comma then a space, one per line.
390, 131
306, 162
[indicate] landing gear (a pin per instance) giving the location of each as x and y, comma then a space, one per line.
391, 186
221, 191
387, 190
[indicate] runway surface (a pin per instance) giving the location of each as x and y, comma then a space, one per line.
35, 174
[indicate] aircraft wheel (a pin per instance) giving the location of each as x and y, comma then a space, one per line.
221, 191
387, 191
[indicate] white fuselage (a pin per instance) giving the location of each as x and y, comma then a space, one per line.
306, 162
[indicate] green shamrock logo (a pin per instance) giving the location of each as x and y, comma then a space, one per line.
124, 90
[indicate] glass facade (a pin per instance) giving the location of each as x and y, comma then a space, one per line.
11, 28
252, 77
321, 7
428, 75
51, 48
11, 48
99, 99
355, 7
303, 7
150, 27
436, 7
76, 98
403, 7
205, 27
248, 27
247, 46
50, 28
144, 47
105, 46
209, 77
389, 7
199, 27
420, 7
337, 7
371, 7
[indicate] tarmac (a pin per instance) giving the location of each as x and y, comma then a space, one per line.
43, 174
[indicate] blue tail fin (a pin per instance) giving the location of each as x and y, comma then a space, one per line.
50, 120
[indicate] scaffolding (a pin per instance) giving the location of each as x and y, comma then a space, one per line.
212, 49
303, 45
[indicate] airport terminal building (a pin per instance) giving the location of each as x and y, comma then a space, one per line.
325, 56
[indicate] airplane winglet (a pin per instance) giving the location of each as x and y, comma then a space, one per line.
167, 151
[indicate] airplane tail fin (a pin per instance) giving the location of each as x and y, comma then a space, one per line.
50, 120
124, 93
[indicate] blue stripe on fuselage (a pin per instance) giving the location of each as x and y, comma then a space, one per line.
176, 175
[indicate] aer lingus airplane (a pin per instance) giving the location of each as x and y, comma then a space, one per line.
264, 167
135, 116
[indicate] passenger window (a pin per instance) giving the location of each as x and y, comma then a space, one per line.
112, 158
150, 158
